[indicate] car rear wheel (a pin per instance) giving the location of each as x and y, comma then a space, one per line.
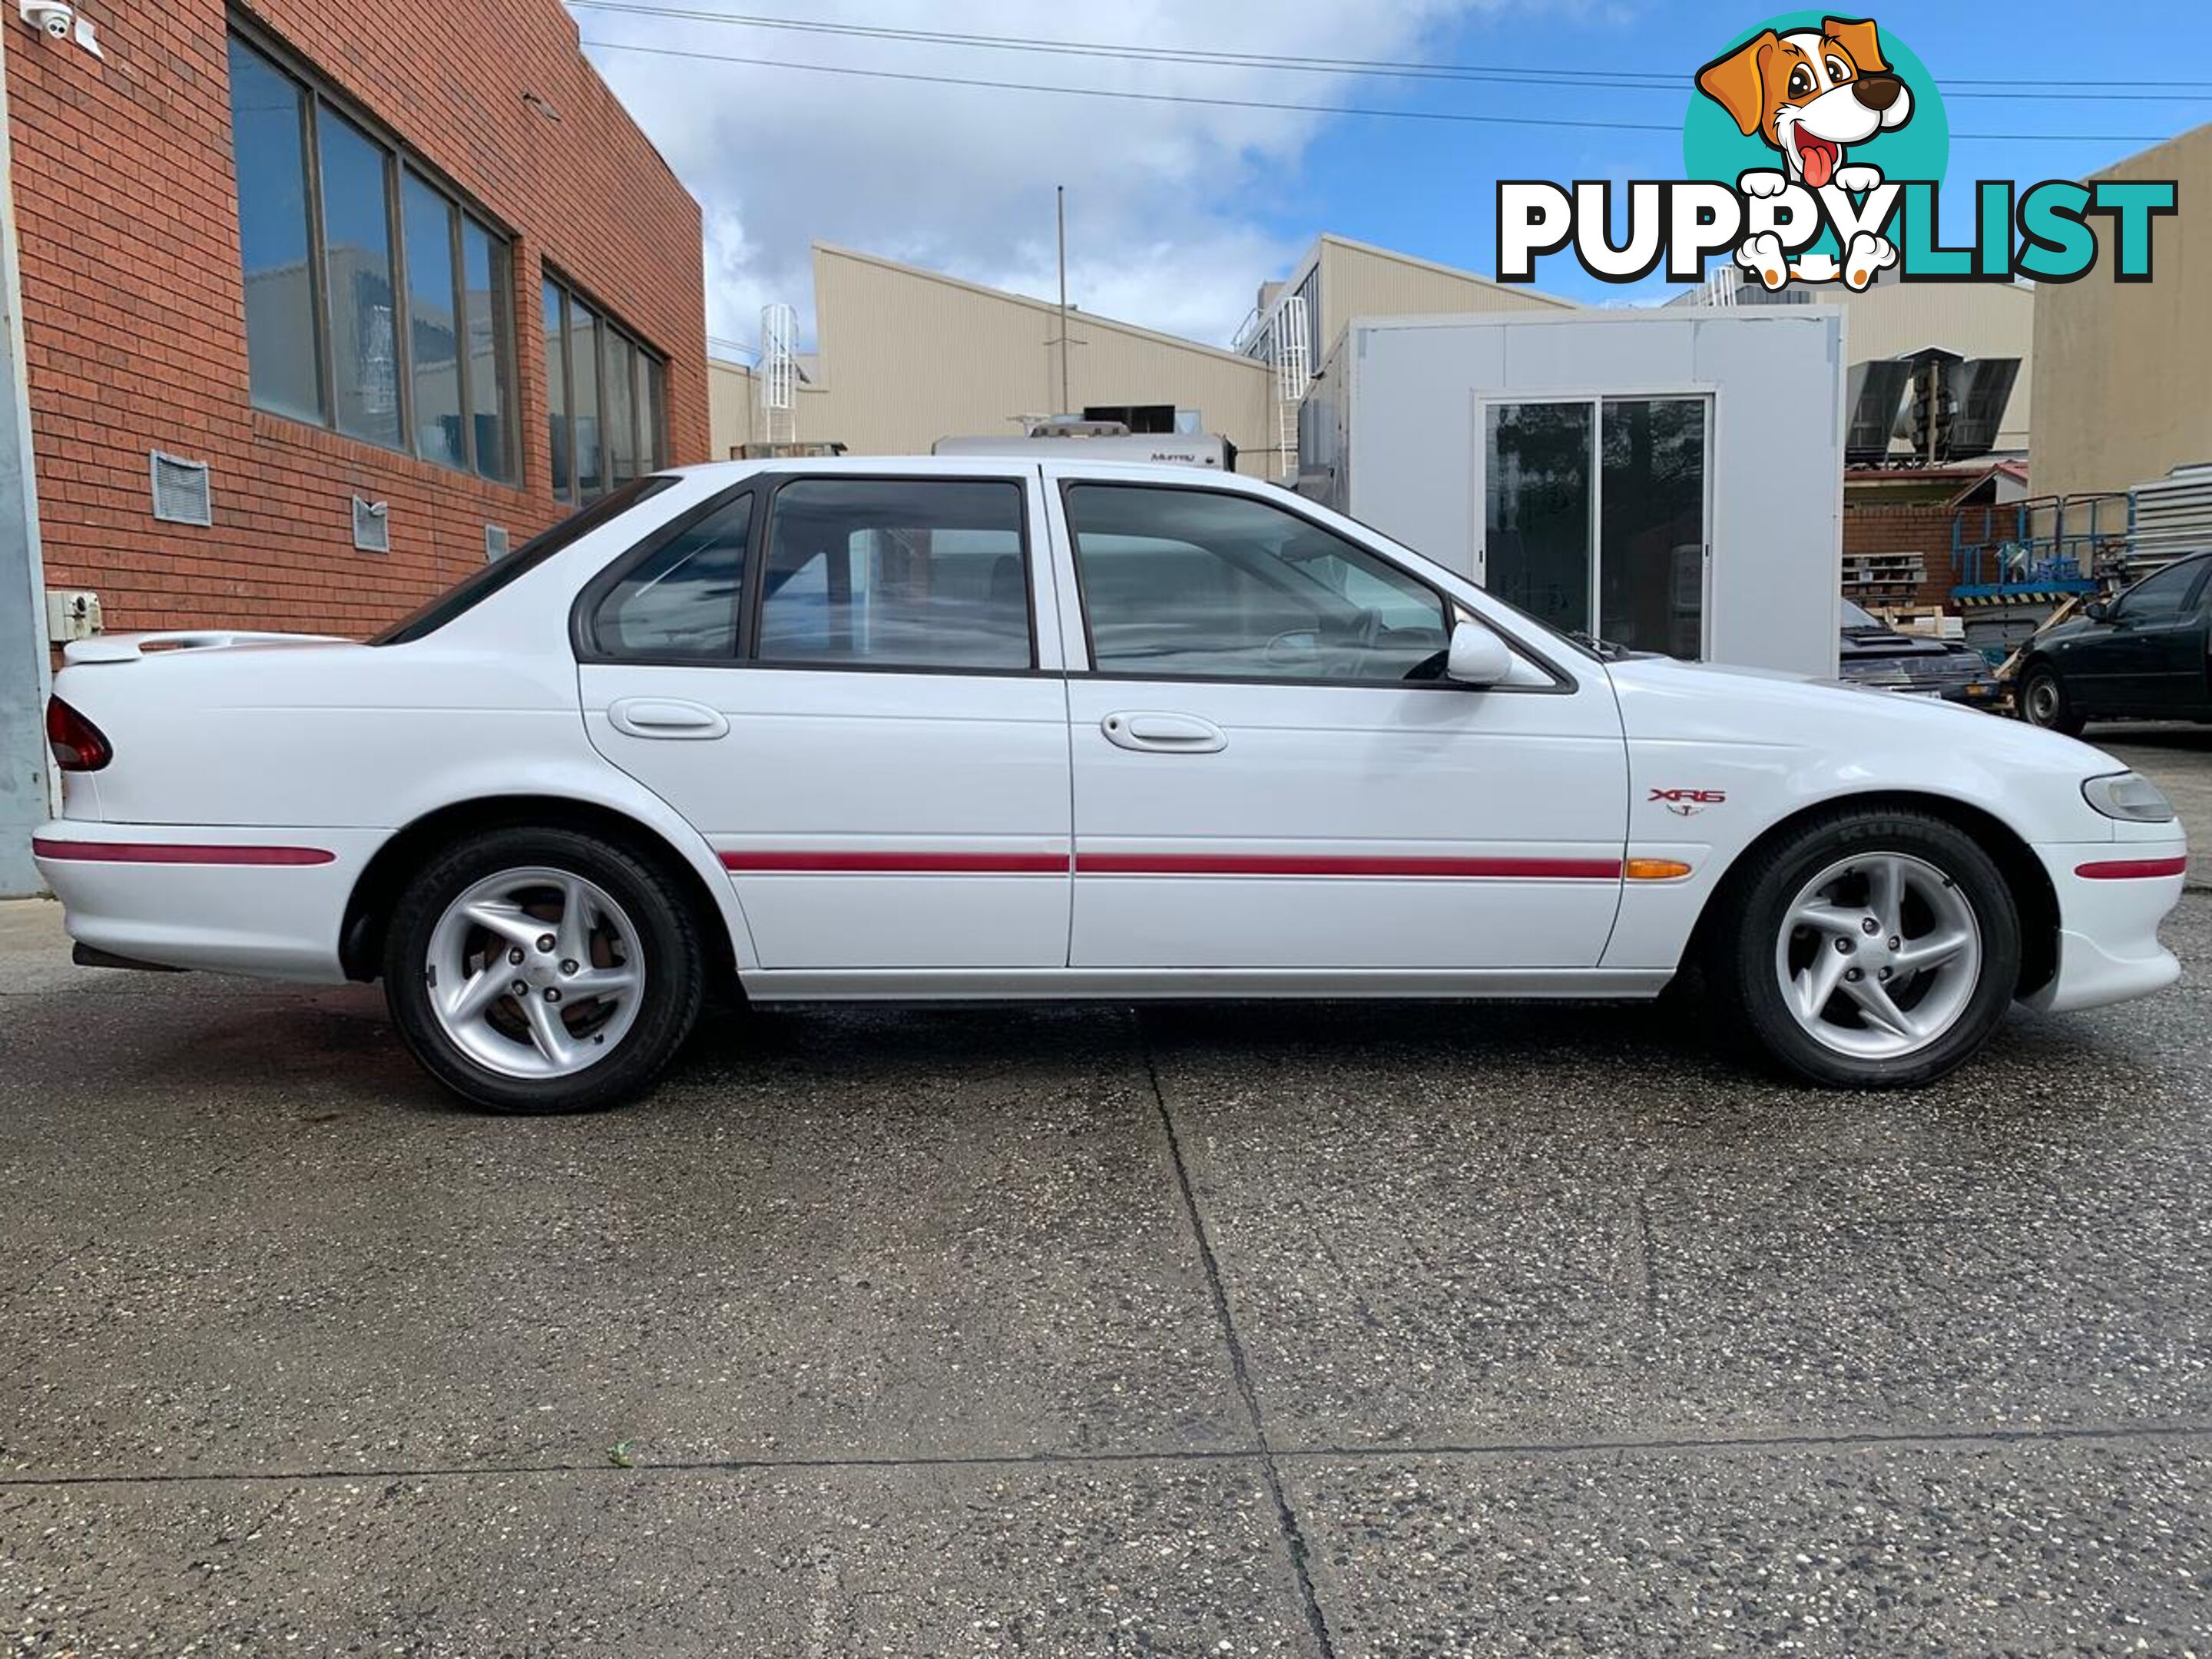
1870, 949
542, 970
2044, 702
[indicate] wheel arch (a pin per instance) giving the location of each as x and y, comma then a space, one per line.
2026, 879
360, 934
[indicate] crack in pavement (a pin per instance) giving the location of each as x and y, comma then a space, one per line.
1294, 1539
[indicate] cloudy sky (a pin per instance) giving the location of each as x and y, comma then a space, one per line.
1177, 210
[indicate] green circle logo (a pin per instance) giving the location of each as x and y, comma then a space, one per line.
1750, 106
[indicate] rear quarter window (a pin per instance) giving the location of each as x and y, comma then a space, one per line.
473, 589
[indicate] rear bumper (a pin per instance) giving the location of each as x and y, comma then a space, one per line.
264, 902
2108, 918
1975, 694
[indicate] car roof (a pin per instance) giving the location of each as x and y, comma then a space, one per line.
1061, 455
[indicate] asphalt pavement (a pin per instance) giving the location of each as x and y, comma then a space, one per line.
1336, 1331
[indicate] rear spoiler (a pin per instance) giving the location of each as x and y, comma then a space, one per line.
129, 647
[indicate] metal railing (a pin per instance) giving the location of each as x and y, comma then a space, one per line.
2039, 545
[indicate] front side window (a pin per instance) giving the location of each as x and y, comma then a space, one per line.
606, 398
897, 572
351, 256
683, 597
2162, 597
1204, 583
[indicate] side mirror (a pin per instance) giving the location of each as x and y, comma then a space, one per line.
2098, 610
1477, 656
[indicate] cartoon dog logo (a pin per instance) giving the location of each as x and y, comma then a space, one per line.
1812, 94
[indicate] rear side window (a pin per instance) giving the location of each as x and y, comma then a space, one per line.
681, 598
897, 572
473, 589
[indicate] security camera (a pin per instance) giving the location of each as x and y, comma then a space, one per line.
50, 15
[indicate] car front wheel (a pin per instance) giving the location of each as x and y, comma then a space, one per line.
1871, 949
2044, 702
542, 970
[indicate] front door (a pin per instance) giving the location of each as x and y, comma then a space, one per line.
1270, 773
1594, 515
2148, 654
2155, 653
836, 678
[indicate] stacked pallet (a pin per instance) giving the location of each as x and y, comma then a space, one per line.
1884, 579
1930, 620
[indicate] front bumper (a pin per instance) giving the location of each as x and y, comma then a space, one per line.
2108, 945
265, 901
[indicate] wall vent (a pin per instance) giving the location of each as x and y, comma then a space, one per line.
181, 491
372, 527
494, 543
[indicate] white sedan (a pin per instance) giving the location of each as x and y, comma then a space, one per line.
975, 729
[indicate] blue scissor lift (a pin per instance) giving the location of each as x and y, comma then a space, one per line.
2014, 564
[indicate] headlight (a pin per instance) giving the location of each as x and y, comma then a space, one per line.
2130, 796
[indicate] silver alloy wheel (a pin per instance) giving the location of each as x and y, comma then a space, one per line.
2041, 700
1879, 956
535, 973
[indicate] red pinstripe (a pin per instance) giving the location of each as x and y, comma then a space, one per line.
899, 864
132, 852
1171, 864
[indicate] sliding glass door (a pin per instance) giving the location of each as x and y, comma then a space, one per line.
1594, 516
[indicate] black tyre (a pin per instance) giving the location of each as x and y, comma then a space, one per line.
1868, 949
2044, 702
542, 970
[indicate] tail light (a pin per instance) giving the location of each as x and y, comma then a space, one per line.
78, 745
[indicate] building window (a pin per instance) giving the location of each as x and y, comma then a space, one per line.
606, 399
376, 304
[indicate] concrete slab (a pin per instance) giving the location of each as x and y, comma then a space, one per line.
1458, 1227
1129, 1558
875, 1235
1509, 1330
34, 952
2098, 1546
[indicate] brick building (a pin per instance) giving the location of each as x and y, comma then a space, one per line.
315, 307
1911, 514
314, 247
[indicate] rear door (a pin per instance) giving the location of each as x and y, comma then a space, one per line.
837, 678
1270, 773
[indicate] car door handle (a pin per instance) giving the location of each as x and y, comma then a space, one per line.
1163, 734
666, 717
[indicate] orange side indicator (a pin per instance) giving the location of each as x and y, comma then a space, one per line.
1654, 869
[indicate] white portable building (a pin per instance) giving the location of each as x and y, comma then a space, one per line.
1668, 479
